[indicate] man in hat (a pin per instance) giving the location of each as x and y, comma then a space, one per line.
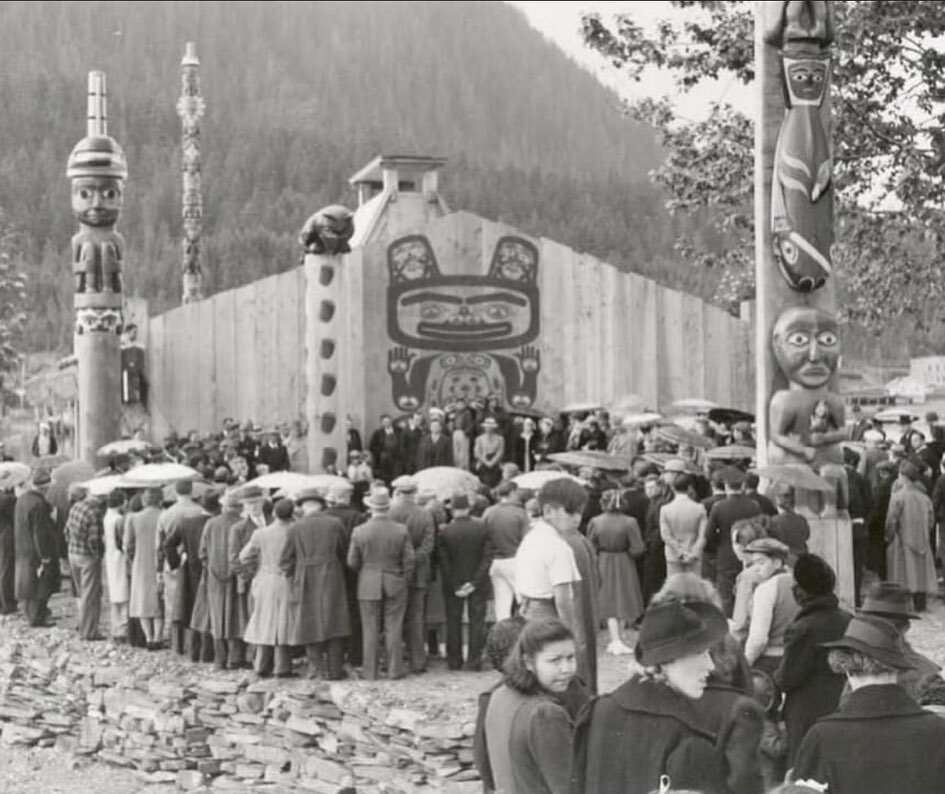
254, 501
314, 559
386, 451
339, 506
506, 525
435, 448
36, 550
880, 739
683, 527
382, 554
227, 612
422, 528
273, 453
464, 574
812, 690
170, 522
735, 506
86, 543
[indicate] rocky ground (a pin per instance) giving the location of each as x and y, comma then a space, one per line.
439, 694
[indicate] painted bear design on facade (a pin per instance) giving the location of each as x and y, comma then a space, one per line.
449, 329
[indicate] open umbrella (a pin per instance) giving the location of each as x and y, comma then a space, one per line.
581, 407
730, 415
662, 458
72, 471
731, 452
13, 473
289, 483
628, 404
201, 489
103, 486
675, 434
692, 405
592, 459
895, 415
123, 447
641, 419
533, 480
153, 474
444, 481
796, 475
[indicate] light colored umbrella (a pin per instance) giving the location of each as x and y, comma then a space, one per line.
149, 475
581, 407
628, 404
444, 481
641, 419
895, 415
123, 447
103, 486
201, 489
731, 452
796, 475
675, 434
533, 480
73, 471
592, 459
692, 405
13, 473
289, 483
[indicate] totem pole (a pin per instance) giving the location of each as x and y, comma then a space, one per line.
800, 415
324, 239
190, 108
98, 170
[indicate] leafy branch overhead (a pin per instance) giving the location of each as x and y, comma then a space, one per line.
888, 102
12, 297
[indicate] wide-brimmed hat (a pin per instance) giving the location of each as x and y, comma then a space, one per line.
677, 466
340, 492
769, 546
874, 637
459, 502
674, 629
405, 484
379, 499
42, 477
230, 499
310, 495
252, 493
889, 600
489, 422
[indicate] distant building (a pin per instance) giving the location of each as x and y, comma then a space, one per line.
908, 388
930, 370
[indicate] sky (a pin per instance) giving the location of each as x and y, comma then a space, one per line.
560, 21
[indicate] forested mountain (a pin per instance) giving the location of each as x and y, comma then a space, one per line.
299, 96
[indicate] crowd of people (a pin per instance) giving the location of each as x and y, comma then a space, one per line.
745, 668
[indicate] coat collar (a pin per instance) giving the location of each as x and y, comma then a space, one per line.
657, 699
877, 702
818, 604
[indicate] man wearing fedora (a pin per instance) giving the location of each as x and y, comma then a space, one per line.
36, 550
381, 552
880, 741
339, 506
314, 560
421, 525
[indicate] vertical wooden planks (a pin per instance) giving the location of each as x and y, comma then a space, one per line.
694, 361
207, 417
155, 377
553, 259
672, 382
224, 354
245, 334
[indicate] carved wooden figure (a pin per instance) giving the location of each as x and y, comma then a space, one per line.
97, 249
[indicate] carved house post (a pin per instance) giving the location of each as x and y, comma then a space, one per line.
190, 108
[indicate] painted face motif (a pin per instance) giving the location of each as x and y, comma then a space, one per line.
96, 200
807, 80
463, 313
806, 346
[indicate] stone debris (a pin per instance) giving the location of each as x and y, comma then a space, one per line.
202, 730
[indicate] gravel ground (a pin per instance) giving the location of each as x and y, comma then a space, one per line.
48, 771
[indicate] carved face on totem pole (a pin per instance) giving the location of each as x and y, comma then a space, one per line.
462, 321
806, 344
96, 200
806, 80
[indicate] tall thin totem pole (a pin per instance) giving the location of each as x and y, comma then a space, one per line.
800, 414
98, 171
190, 108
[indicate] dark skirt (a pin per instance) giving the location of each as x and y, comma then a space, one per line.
620, 596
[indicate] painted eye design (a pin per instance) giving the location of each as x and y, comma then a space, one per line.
85, 193
498, 312
111, 193
789, 251
430, 311
798, 339
827, 338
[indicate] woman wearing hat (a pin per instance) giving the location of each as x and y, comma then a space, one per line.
488, 451
617, 541
651, 726
880, 741
909, 522
528, 731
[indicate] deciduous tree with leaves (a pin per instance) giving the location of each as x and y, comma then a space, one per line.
12, 299
888, 101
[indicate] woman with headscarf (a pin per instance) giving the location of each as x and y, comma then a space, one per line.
650, 730
618, 542
527, 729
909, 521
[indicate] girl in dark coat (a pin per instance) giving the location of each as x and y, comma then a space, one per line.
651, 726
880, 739
528, 732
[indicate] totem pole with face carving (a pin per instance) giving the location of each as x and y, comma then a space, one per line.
801, 418
98, 171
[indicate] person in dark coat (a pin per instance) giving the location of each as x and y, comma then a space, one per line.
812, 690
247, 447
751, 490
7, 553
464, 561
860, 507
651, 725
386, 452
735, 506
435, 448
339, 506
36, 547
876, 523
789, 526
880, 739
314, 560
658, 493
182, 552
273, 453
382, 554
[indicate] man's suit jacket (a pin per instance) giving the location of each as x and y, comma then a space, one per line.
463, 553
382, 554
422, 528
